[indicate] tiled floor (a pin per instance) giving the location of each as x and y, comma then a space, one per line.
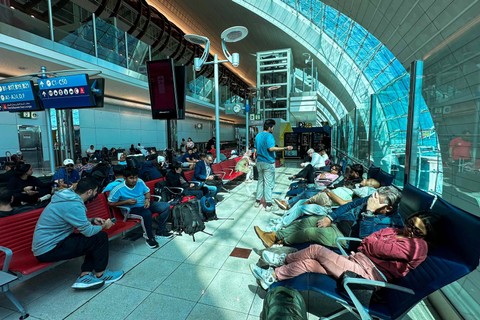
180, 280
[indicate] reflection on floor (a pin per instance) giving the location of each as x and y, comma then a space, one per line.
206, 279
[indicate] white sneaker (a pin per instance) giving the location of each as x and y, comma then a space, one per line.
257, 204
264, 276
272, 207
274, 259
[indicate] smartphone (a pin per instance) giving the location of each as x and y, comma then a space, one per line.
114, 220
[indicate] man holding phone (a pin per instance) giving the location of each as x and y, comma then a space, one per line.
54, 238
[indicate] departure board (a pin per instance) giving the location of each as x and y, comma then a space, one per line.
66, 92
18, 96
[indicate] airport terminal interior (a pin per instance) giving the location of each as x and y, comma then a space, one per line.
393, 85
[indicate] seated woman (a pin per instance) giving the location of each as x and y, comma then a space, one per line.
27, 189
246, 165
384, 255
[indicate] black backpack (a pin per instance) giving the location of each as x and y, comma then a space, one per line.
187, 217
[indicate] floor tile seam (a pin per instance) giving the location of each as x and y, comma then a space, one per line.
209, 305
161, 294
100, 290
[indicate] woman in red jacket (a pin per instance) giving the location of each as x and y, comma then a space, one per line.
384, 255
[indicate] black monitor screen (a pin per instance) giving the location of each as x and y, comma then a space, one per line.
19, 96
161, 83
67, 92
181, 84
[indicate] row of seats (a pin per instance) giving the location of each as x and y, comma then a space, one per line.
16, 232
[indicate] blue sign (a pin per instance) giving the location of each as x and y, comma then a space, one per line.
18, 96
65, 92
247, 106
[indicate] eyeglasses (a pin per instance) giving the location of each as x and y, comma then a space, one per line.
70, 165
417, 232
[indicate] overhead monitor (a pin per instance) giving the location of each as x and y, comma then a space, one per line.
161, 84
181, 89
97, 88
67, 92
19, 96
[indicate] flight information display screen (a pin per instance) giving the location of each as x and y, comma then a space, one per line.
18, 96
67, 92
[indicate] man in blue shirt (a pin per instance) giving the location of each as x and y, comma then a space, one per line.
66, 175
134, 194
265, 146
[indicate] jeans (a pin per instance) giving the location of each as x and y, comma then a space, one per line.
94, 248
266, 181
163, 210
300, 209
305, 194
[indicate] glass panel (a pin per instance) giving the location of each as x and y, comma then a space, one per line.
451, 89
111, 43
34, 21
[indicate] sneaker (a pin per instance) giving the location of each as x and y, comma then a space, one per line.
257, 204
152, 243
88, 281
264, 276
282, 204
272, 207
110, 276
164, 235
274, 259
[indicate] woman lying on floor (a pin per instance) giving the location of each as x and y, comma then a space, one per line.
384, 255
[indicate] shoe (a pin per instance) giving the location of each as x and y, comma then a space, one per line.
264, 276
152, 243
88, 281
273, 228
268, 238
164, 235
110, 276
257, 204
282, 204
272, 207
292, 177
274, 259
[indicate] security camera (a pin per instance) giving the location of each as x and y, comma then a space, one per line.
235, 59
197, 63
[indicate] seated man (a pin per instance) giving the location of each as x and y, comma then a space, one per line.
176, 178
6, 200
26, 188
149, 170
119, 178
54, 238
9, 172
382, 206
134, 194
187, 160
317, 162
204, 173
66, 176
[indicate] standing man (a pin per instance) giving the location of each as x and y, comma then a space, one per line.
54, 238
265, 146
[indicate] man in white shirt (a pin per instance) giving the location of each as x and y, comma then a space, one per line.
308, 172
90, 151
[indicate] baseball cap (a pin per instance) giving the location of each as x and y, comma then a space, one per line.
66, 162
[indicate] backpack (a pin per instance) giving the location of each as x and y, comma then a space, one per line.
188, 218
207, 204
282, 303
101, 173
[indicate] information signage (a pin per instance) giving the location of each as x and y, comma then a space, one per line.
18, 96
65, 92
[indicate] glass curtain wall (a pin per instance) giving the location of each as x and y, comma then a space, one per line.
451, 89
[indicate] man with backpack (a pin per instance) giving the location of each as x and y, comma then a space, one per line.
134, 194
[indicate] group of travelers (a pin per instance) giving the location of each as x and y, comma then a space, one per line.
335, 205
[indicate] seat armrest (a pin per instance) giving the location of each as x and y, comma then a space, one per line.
339, 245
8, 257
125, 211
220, 174
155, 197
175, 190
364, 315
